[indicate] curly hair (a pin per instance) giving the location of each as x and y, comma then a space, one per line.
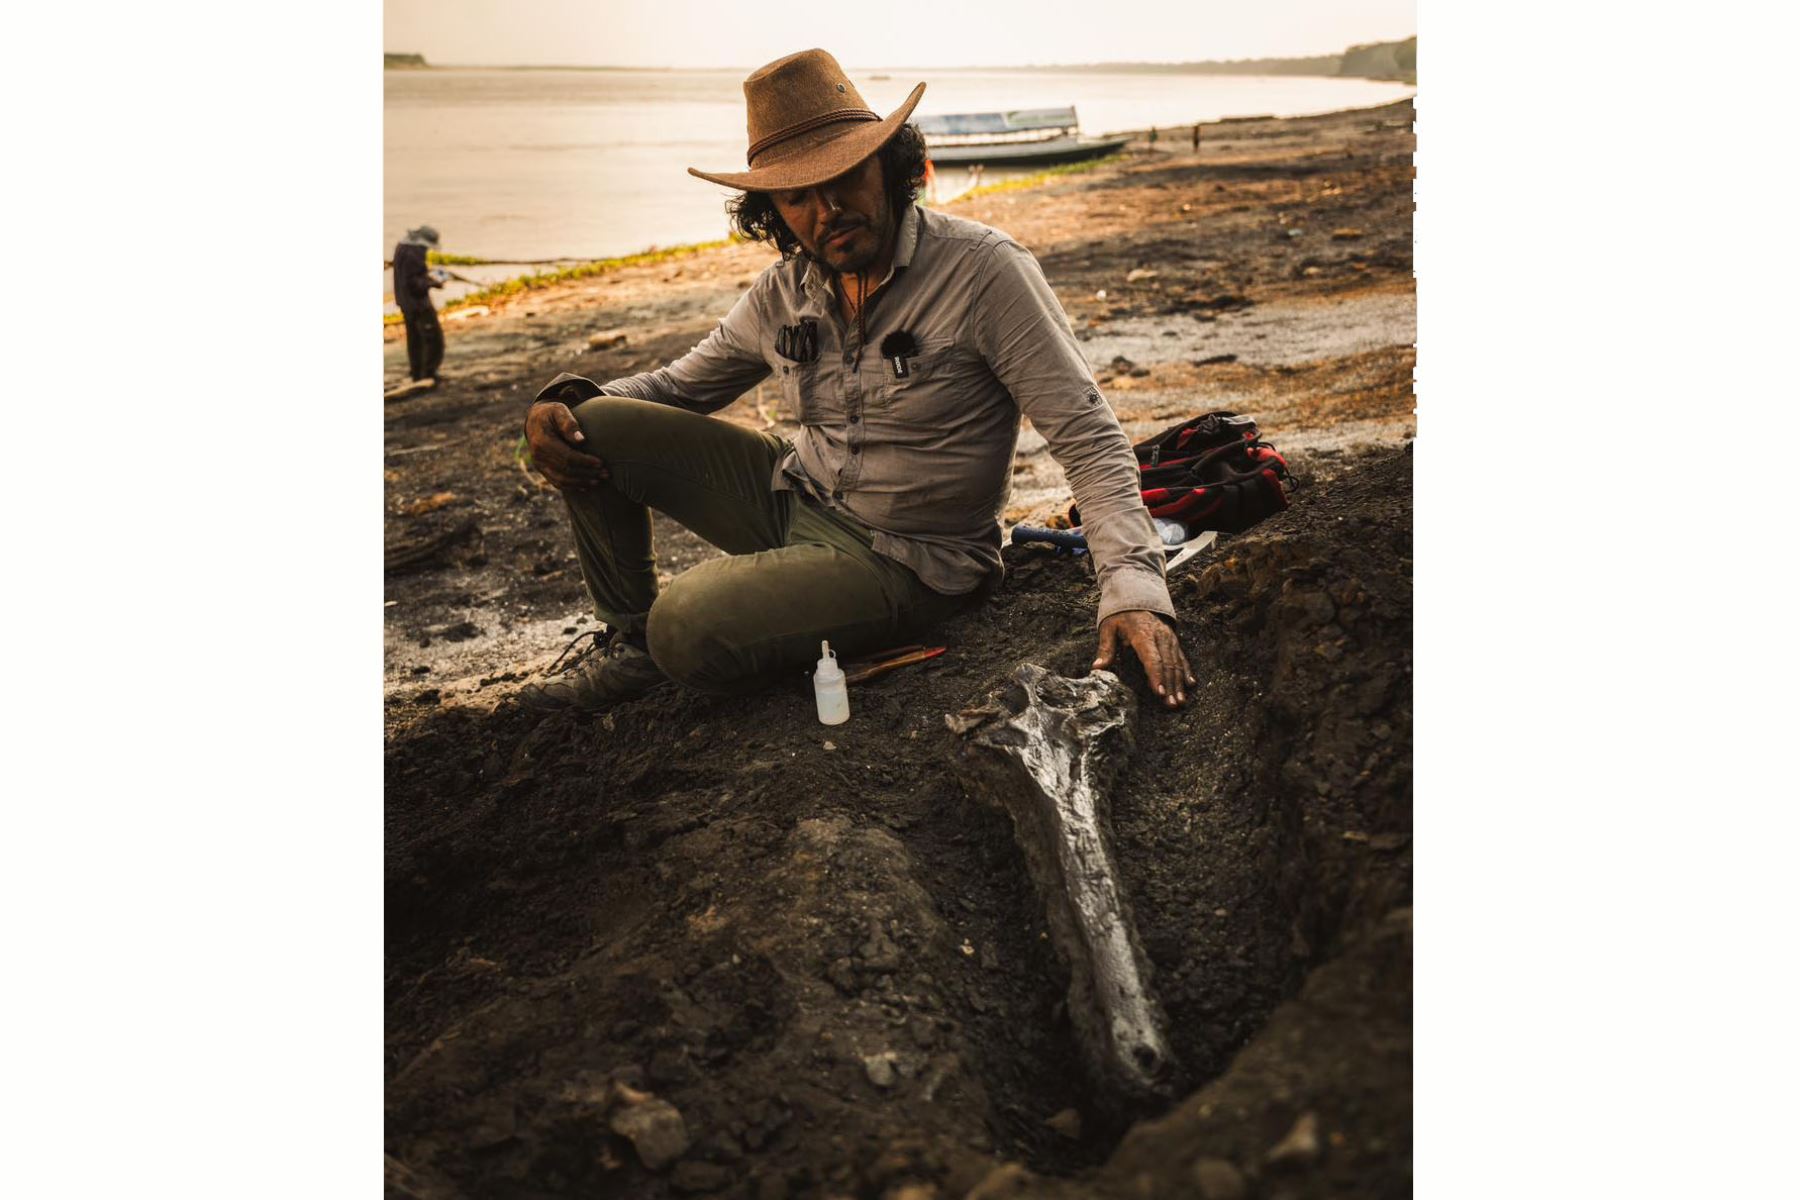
754, 217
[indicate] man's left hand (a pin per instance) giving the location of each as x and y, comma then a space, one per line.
1155, 645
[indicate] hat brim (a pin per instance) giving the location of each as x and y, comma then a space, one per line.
830, 155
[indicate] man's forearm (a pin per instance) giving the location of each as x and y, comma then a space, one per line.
1129, 568
1023, 333
704, 380
1088, 443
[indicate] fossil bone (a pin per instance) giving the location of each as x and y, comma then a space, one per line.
1046, 748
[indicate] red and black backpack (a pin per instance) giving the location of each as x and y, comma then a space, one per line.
1212, 472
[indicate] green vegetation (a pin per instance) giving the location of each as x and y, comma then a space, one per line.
1379, 60
1038, 177
402, 62
1321, 64
1383, 60
531, 283
437, 259
1407, 59
521, 284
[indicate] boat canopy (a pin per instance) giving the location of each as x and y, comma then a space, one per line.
1019, 124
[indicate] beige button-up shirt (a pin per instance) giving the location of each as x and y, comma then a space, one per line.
923, 455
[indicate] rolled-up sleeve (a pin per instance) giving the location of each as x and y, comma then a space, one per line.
1021, 330
724, 365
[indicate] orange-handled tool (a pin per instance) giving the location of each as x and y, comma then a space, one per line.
909, 656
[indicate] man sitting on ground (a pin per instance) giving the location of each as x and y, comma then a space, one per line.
907, 343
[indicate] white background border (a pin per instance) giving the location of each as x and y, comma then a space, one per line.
1605, 829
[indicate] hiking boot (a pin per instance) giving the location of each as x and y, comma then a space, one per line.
607, 674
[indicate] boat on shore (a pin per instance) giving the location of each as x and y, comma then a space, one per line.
1020, 136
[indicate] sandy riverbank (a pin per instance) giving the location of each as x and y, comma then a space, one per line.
744, 924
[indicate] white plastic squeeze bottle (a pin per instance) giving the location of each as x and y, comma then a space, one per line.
829, 689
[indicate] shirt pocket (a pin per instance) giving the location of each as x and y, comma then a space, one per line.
803, 390
921, 391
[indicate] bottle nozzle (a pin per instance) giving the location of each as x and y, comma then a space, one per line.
828, 688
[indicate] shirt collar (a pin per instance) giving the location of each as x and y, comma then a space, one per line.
908, 239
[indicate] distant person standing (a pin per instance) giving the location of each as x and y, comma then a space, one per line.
413, 281
1196, 139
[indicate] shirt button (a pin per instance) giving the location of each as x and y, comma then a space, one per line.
837, 495
855, 417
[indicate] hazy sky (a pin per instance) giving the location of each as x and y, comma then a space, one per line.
923, 33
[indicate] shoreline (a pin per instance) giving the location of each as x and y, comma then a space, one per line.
578, 269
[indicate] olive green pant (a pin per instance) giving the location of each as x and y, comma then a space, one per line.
795, 572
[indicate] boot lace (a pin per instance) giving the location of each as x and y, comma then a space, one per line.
598, 641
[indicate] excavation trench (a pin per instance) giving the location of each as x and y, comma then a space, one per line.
1044, 749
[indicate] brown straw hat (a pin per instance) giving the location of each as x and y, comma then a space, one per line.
808, 123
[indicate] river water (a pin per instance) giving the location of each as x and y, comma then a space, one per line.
535, 164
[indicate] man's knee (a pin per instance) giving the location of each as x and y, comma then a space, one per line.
695, 639
611, 420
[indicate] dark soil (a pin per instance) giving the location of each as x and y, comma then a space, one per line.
811, 941
731, 906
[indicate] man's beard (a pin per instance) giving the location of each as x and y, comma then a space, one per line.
852, 264
878, 232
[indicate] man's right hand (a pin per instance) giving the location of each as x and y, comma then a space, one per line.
553, 434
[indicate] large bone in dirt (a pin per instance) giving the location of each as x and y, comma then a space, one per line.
1045, 748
